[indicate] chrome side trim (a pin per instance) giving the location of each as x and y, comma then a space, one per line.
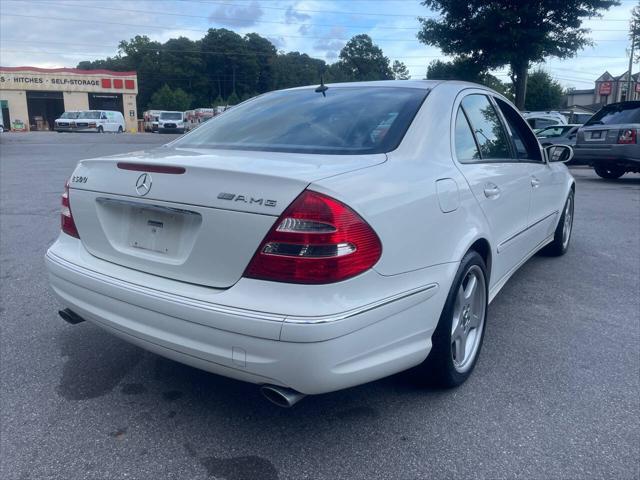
239, 312
432, 288
503, 245
146, 206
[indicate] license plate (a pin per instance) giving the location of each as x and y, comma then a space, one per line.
155, 230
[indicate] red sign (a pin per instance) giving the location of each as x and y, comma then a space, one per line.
605, 88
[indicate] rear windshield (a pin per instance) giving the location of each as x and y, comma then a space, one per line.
171, 116
617, 114
347, 121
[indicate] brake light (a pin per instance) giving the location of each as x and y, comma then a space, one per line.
317, 239
66, 218
628, 135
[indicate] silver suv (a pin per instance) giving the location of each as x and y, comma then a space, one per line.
610, 140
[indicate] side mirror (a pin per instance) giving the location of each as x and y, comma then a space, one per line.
559, 153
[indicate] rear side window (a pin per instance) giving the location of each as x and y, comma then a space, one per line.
466, 147
524, 141
616, 114
487, 128
344, 121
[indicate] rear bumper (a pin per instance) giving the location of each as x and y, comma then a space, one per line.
610, 155
309, 354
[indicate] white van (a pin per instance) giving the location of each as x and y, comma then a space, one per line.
100, 121
66, 121
171, 122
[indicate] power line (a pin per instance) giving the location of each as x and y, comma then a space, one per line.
214, 52
173, 27
209, 17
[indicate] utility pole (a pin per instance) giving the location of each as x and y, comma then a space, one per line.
629, 80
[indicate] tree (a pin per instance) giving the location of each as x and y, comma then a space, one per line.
400, 71
495, 33
361, 59
544, 93
467, 70
167, 99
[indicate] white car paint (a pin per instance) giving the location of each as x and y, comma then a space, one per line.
195, 306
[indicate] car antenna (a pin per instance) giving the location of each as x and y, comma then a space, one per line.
322, 88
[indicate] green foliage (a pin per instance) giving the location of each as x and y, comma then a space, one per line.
233, 99
495, 33
400, 71
543, 92
168, 99
467, 70
361, 60
225, 65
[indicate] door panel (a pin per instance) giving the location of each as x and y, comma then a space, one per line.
498, 181
503, 193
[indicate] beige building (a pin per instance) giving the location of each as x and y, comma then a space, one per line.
31, 98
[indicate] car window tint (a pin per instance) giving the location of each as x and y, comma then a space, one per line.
340, 121
487, 127
466, 147
525, 142
617, 113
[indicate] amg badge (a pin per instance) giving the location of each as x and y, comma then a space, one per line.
232, 197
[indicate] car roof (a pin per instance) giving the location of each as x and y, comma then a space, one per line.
420, 84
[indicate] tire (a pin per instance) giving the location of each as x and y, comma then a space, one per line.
448, 365
562, 237
100, 129
120, 130
610, 173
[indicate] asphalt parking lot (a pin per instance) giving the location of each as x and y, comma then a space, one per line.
556, 393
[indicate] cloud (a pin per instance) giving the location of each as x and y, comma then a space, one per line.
328, 44
291, 15
237, 16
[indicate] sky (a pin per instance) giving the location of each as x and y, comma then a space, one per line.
61, 33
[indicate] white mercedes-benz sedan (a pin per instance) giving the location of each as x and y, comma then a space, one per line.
316, 238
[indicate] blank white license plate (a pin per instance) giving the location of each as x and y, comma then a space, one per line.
154, 230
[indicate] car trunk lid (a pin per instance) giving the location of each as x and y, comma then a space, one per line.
188, 214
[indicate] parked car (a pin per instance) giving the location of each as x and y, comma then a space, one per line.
100, 121
313, 239
558, 135
171, 122
66, 121
540, 120
609, 141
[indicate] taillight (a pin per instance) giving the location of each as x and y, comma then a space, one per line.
67, 223
628, 135
317, 239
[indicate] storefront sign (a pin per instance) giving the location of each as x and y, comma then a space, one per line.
83, 81
605, 88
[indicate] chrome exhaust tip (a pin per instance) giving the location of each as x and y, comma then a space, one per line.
281, 396
70, 316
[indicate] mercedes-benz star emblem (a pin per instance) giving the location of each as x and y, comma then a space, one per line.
143, 184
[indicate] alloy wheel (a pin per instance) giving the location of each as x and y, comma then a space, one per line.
469, 314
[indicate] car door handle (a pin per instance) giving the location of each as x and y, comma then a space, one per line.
491, 190
535, 183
